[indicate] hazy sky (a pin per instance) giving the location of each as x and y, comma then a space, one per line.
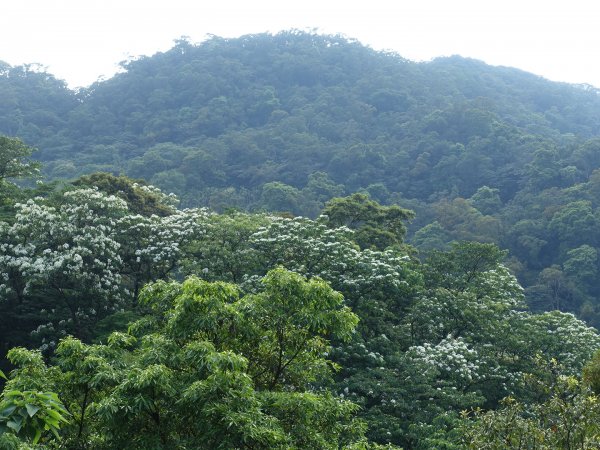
82, 40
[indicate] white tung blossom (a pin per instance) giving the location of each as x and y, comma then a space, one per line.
454, 358
80, 251
311, 248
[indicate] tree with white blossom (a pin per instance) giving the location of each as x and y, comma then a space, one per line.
65, 266
151, 247
63, 260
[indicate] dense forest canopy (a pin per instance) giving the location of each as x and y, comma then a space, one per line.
128, 323
393, 252
286, 122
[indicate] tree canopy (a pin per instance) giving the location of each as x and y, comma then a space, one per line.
290, 121
344, 249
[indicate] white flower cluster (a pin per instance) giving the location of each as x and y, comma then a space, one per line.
501, 287
358, 350
65, 247
152, 245
81, 252
493, 297
166, 199
565, 337
452, 357
312, 249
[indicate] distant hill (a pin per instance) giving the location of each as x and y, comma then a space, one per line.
287, 121
243, 112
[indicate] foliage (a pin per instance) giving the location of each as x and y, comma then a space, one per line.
276, 360
462, 339
30, 415
14, 164
140, 197
376, 226
568, 419
288, 122
223, 252
210, 369
473, 343
69, 264
303, 124
14, 160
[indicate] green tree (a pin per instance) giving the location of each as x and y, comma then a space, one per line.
32, 415
431, 237
69, 262
568, 419
462, 265
14, 164
574, 224
376, 226
141, 198
280, 197
223, 251
486, 200
581, 265
14, 159
210, 369
552, 290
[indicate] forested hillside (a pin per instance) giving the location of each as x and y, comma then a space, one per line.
391, 253
285, 122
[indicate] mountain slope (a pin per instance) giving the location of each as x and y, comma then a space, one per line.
326, 98
286, 122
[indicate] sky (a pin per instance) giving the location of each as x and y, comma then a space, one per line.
82, 41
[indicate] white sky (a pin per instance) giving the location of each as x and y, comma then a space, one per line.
82, 40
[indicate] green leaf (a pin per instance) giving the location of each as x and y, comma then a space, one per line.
8, 411
2, 375
54, 415
32, 409
51, 423
15, 424
38, 435
55, 432
13, 394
